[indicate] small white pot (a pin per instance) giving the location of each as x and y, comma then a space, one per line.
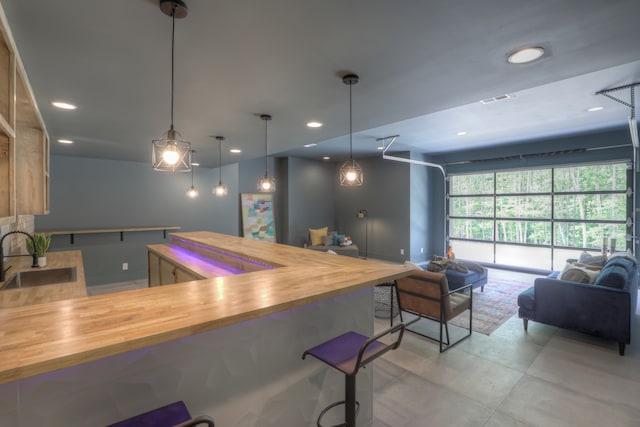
42, 261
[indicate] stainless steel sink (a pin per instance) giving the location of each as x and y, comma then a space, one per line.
27, 279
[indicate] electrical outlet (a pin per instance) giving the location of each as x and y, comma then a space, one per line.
401, 251
125, 265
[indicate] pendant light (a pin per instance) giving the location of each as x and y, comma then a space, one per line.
220, 190
350, 171
267, 184
192, 193
170, 151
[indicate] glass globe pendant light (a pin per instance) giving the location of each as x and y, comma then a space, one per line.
267, 184
350, 171
171, 152
192, 193
220, 190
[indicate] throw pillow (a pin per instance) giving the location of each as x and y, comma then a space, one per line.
573, 273
337, 237
327, 240
315, 235
596, 260
413, 266
612, 276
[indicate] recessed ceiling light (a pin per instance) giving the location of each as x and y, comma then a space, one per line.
314, 124
525, 55
593, 109
195, 164
326, 158
235, 150
65, 141
309, 145
63, 105
380, 147
461, 133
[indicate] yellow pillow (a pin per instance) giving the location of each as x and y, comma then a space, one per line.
317, 235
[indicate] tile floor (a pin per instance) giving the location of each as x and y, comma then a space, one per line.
547, 377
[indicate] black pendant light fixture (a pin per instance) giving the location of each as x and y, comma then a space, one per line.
170, 151
192, 193
220, 190
350, 171
267, 184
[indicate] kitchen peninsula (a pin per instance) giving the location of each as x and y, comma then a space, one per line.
228, 346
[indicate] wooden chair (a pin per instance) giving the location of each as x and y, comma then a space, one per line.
426, 295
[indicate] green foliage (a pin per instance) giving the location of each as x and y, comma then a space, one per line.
42, 244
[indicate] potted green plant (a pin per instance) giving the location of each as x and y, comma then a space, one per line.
42, 242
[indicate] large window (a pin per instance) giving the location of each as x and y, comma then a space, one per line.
538, 218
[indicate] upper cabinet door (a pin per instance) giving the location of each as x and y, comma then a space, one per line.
24, 143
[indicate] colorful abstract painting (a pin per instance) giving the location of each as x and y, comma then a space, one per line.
257, 216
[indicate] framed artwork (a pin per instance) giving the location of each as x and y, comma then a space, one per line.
257, 216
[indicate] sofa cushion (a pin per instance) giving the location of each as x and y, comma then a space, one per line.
628, 264
327, 240
337, 237
315, 235
612, 276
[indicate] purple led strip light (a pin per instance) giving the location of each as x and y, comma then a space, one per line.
232, 255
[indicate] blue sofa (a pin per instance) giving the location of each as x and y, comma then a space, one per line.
605, 308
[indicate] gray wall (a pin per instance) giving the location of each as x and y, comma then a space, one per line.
386, 197
94, 193
311, 198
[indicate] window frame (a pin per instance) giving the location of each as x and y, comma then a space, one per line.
622, 244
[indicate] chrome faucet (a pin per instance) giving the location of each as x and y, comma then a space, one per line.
35, 255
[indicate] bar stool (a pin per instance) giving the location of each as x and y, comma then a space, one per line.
173, 415
348, 353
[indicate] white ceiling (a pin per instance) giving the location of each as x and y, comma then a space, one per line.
424, 66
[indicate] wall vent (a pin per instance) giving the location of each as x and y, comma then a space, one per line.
497, 98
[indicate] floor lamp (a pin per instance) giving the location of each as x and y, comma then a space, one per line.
362, 213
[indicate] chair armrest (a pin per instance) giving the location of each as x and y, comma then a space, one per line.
399, 327
461, 288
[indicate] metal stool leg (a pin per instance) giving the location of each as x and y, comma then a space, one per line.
350, 400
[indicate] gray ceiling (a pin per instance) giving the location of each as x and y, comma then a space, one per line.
424, 66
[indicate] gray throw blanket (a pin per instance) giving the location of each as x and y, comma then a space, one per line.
455, 265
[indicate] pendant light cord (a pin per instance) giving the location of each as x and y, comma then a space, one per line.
350, 124
266, 167
220, 166
173, 32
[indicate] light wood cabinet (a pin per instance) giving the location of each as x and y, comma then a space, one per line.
164, 272
154, 269
24, 143
183, 275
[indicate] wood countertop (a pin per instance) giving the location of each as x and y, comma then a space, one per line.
44, 293
44, 337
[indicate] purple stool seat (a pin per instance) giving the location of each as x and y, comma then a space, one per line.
342, 352
172, 415
348, 353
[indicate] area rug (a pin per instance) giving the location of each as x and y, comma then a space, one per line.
497, 303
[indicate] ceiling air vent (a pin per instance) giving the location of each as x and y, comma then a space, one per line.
497, 98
